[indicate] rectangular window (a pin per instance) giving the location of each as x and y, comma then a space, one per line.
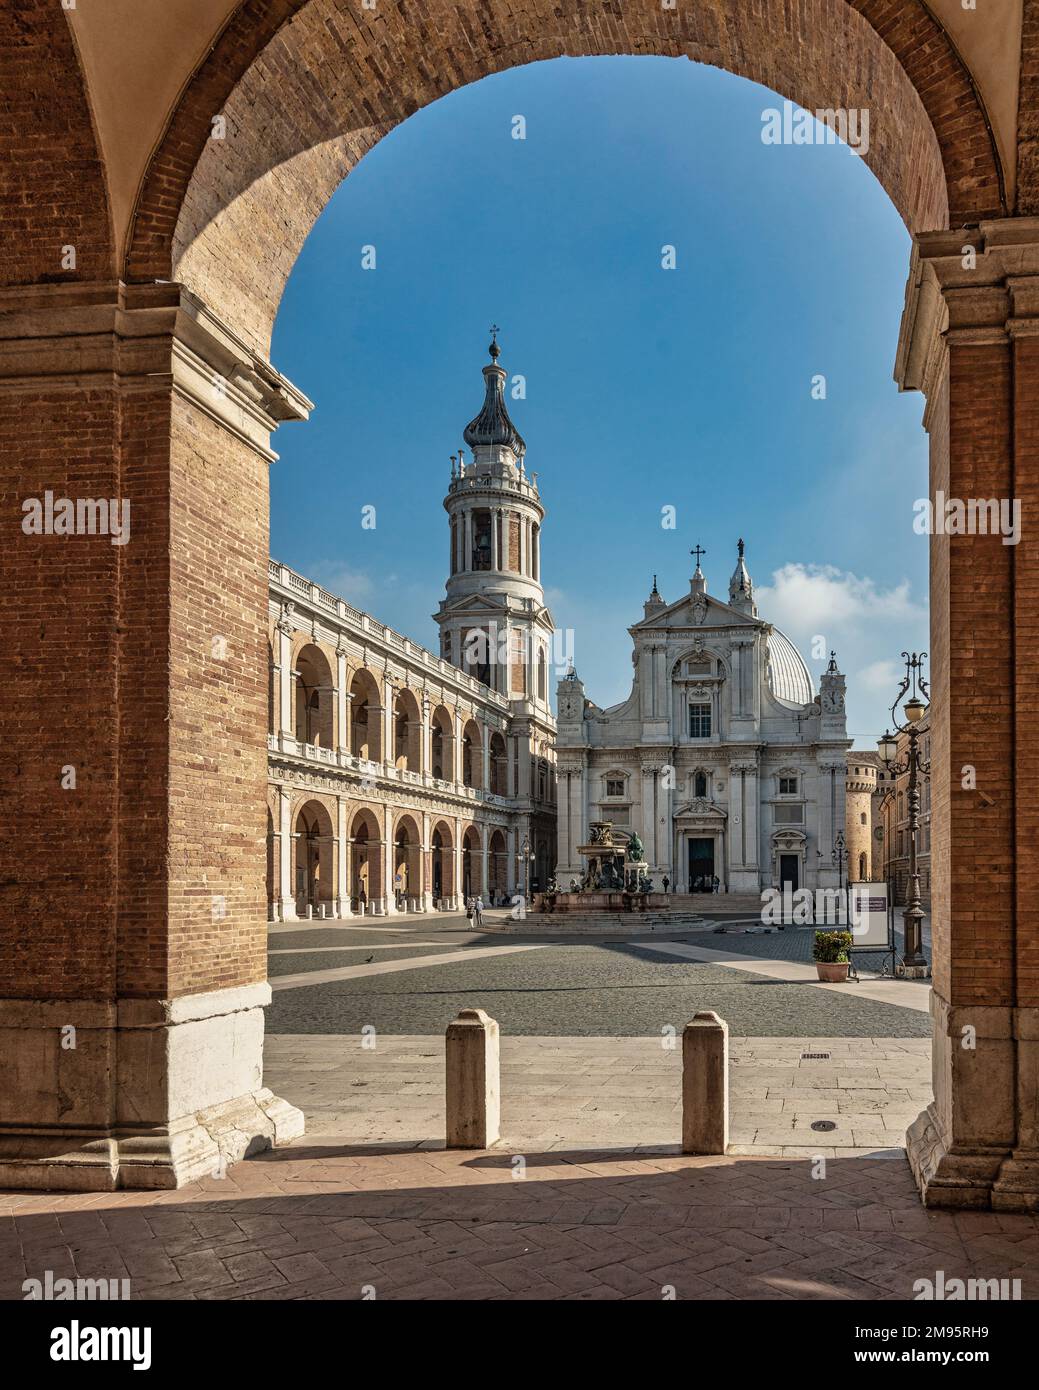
699, 721
615, 786
789, 815
788, 786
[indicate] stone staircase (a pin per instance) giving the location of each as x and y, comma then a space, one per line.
599, 923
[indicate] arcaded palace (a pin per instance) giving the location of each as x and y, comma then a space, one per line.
404, 781
723, 759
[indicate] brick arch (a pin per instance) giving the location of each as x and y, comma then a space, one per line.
309, 88
51, 172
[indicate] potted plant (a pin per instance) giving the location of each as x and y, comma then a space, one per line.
831, 956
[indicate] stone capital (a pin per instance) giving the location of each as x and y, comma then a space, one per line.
137, 336
973, 286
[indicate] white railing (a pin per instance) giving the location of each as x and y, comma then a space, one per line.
420, 655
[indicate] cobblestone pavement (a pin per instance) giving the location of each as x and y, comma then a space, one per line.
328, 1222
591, 989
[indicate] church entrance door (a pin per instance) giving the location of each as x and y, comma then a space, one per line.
789, 865
701, 865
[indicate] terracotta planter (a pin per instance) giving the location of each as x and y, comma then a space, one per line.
833, 972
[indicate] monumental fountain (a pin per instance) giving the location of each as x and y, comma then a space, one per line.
615, 878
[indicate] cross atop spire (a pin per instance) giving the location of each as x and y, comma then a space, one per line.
698, 550
494, 349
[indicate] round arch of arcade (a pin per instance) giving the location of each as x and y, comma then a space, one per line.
199, 258
205, 221
305, 703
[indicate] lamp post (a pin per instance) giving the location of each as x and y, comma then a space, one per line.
526, 858
840, 854
914, 963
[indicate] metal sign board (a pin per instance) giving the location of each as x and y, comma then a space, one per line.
868, 916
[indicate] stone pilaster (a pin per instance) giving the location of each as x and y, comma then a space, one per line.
155, 908
970, 341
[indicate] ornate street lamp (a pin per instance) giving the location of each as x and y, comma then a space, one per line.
840, 855
914, 963
526, 857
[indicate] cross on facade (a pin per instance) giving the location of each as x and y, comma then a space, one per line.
698, 550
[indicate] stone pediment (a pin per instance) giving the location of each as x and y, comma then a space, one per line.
700, 809
697, 611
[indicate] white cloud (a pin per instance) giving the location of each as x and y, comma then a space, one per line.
867, 624
806, 600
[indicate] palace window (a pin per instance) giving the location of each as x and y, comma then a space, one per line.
699, 721
788, 786
700, 784
615, 786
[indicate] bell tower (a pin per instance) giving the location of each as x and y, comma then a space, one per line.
493, 622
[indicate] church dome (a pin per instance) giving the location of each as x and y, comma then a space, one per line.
788, 677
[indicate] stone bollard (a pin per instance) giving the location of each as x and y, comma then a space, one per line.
705, 1085
473, 1081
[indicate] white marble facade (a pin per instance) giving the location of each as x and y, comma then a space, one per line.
723, 758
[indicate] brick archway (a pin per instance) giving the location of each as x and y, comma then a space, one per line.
110, 371
204, 203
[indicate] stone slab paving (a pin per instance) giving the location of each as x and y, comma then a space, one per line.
331, 1222
620, 1092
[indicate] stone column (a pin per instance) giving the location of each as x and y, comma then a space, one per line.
427, 740
150, 940
495, 521
456, 852
343, 861
286, 855
457, 748
389, 742
485, 760
649, 812
970, 341
485, 853
286, 683
467, 541
342, 705
389, 867
425, 896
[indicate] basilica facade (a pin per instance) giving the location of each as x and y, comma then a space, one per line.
723, 759
402, 779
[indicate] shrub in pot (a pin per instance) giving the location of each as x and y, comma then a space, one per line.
831, 956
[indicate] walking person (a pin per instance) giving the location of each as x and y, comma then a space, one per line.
478, 911
667, 883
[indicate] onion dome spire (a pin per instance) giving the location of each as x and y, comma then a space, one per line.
492, 426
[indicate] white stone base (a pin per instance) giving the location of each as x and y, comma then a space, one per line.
100, 1095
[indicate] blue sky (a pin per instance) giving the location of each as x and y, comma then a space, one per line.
645, 387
